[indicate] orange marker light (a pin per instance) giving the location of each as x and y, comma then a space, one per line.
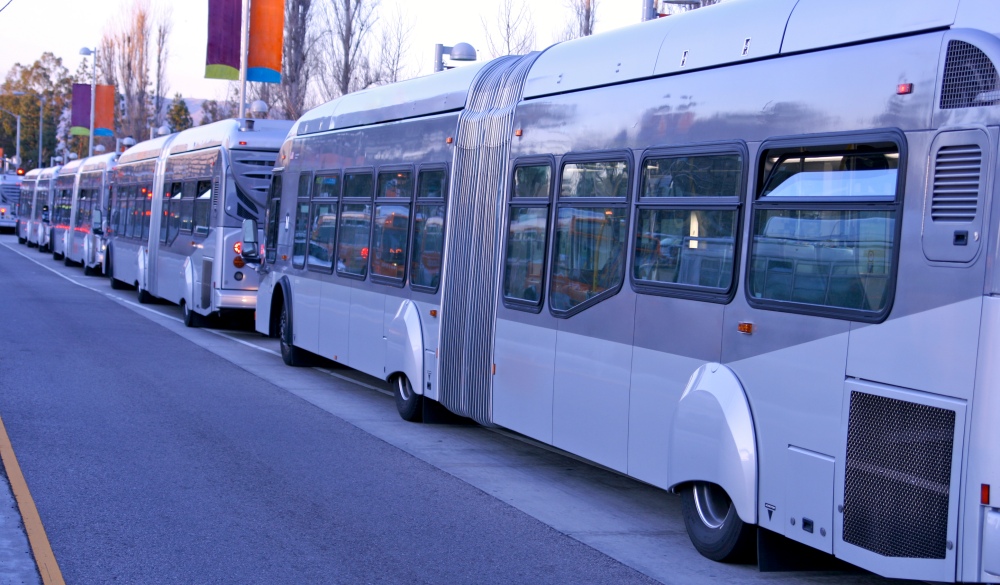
434, 313
984, 494
904, 88
518, 132
243, 142
745, 327
239, 262
449, 140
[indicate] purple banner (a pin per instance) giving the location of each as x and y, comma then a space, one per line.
222, 60
80, 125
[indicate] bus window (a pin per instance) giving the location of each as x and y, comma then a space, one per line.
687, 222
322, 235
824, 230
428, 229
589, 253
146, 194
203, 208
300, 231
527, 235
392, 223
171, 212
271, 220
186, 207
352, 249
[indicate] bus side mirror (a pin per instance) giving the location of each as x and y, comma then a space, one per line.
96, 223
45, 214
250, 252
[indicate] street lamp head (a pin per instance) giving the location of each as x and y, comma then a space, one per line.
99, 148
128, 142
259, 107
73, 156
463, 52
163, 130
86, 51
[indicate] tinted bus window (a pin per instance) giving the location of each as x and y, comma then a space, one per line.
527, 234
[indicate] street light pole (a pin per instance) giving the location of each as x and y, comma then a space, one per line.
93, 93
460, 52
41, 110
17, 143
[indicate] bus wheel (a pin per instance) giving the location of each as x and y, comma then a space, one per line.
191, 319
144, 297
713, 525
291, 355
408, 403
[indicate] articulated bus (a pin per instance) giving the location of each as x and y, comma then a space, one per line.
748, 254
64, 190
38, 217
24, 204
84, 244
176, 212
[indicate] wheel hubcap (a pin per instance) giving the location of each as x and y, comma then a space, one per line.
712, 504
404, 389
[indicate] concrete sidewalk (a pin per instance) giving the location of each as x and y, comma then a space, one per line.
17, 564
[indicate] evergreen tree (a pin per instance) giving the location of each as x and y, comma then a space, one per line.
178, 116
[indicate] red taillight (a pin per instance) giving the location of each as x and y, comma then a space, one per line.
984, 494
364, 252
238, 248
904, 88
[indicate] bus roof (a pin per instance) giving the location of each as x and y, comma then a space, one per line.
726, 33
146, 150
100, 162
72, 167
48, 173
265, 135
431, 94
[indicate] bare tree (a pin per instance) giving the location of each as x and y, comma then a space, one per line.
393, 44
127, 44
514, 33
583, 16
297, 67
679, 7
344, 64
161, 34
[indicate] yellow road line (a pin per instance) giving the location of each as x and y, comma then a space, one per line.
44, 557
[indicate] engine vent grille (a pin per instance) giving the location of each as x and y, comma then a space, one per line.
957, 174
970, 79
897, 480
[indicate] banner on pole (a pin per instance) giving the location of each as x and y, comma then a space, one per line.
104, 112
267, 31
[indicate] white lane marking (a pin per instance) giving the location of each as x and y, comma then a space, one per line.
179, 320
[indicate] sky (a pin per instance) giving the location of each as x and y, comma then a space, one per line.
30, 27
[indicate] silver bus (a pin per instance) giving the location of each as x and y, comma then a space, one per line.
84, 245
24, 204
38, 232
747, 254
65, 188
186, 206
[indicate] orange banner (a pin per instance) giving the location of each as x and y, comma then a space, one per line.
267, 35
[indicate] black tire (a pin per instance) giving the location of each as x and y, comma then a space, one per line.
91, 270
68, 262
191, 319
144, 297
714, 527
291, 355
408, 403
21, 240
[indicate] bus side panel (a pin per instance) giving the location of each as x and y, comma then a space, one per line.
367, 347
305, 312
334, 320
525, 356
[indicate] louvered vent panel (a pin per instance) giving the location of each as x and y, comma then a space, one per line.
957, 173
970, 78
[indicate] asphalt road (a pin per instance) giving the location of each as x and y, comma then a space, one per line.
160, 454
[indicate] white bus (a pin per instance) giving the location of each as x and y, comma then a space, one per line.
748, 254
10, 195
176, 211
24, 204
84, 243
65, 188
38, 219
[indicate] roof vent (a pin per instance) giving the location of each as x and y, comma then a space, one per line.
957, 174
970, 79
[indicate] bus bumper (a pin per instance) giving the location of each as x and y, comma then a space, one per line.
236, 299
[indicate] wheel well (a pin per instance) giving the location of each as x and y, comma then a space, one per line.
276, 302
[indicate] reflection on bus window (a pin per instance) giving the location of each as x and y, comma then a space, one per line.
834, 258
525, 264
862, 174
432, 185
533, 181
186, 207
395, 184
595, 179
326, 186
271, 220
322, 235
685, 246
716, 175
389, 240
358, 185
428, 243
352, 250
300, 233
203, 208
589, 254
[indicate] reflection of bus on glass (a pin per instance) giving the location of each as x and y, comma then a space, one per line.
779, 302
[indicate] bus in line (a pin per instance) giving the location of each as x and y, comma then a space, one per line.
176, 209
84, 240
747, 254
10, 195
